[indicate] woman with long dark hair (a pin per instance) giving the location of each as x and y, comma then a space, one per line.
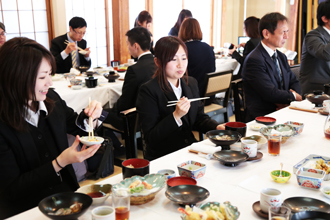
251, 30
144, 19
35, 158
183, 15
167, 129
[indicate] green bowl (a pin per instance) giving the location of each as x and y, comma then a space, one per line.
287, 131
156, 180
285, 176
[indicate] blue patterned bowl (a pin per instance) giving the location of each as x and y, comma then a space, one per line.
310, 178
156, 180
192, 169
298, 127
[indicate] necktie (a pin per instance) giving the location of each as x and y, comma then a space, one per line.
74, 58
278, 71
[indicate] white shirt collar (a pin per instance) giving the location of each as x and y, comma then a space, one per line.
145, 53
268, 49
326, 29
33, 117
177, 90
69, 39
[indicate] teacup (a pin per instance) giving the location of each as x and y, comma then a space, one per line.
270, 198
326, 105
103, 213
249, 147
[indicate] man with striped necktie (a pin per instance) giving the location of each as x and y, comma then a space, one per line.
67, 55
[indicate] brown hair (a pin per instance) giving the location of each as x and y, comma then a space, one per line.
185, 13
251, 26
20, 61
165, 50
142, 17
190, 30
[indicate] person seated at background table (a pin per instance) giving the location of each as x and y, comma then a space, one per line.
35, 158
167, 129
200, 55
144, 19
138, 42
268, 82
185, 13
251, 30
2, 34
67, 56
315, 56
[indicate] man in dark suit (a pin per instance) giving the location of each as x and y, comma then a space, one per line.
138, 43
269, 83
315, 56
67, 55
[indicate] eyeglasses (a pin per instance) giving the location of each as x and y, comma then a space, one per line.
80, 33
3, 34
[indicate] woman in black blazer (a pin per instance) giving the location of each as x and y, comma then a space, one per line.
251, 30
167, 129
200, 54
35, 159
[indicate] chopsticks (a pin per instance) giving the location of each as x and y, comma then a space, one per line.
67, 42
90, 130
191, 100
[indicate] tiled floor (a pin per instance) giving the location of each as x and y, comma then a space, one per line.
118, 169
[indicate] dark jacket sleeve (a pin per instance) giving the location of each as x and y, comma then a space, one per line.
56, 48
128, 92
247, 49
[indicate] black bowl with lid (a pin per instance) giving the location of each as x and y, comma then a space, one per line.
317, 97
90, 82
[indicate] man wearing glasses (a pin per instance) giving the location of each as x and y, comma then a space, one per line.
2, 34
65, 47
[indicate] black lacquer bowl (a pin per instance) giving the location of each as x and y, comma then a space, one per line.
299, 204
64, 200
230, 157
187, 194
311, 215
214, 136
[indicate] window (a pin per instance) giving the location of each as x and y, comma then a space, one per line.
26, 19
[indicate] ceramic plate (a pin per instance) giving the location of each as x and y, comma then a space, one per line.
256, 208
299, 204
98, 140
256, 126
258, 157
57, 77
326, 189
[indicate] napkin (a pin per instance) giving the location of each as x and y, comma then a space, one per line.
74, 71
302, 105
205, 147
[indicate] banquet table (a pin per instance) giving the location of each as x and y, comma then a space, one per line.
241, 185
227, 63
105, 92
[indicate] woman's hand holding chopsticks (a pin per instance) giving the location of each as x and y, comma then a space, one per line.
182, 108
94, 110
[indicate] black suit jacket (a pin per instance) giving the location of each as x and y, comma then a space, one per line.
201, 60
262, 84
25, 181
249, 46
57, 46
136, 75
161, 132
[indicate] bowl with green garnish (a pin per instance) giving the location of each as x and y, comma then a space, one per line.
326, 191
192, 169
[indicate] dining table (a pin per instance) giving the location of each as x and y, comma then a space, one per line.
105, 92
240, 185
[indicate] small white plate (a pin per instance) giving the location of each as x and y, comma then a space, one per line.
256, 126
83, 52
325, 189
85, 141
77, 87
57, 77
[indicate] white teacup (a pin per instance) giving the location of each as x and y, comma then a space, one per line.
249, 147
326, 105
270, 198
103, 213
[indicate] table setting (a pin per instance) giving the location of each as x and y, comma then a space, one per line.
297, 175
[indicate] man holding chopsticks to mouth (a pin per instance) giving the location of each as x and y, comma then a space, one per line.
70, 49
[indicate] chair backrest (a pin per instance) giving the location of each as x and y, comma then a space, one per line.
295, 69
217, 82
239, 100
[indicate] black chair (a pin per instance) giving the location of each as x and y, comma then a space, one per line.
217, 82
239, 100
296, 69
130, 133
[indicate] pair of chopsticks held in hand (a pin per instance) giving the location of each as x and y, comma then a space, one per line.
91, 129
67, 42
191, 100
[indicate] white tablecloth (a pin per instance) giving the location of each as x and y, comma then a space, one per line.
105, 92
240, 185
227, 63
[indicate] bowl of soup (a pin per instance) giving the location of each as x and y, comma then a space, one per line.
99, 193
